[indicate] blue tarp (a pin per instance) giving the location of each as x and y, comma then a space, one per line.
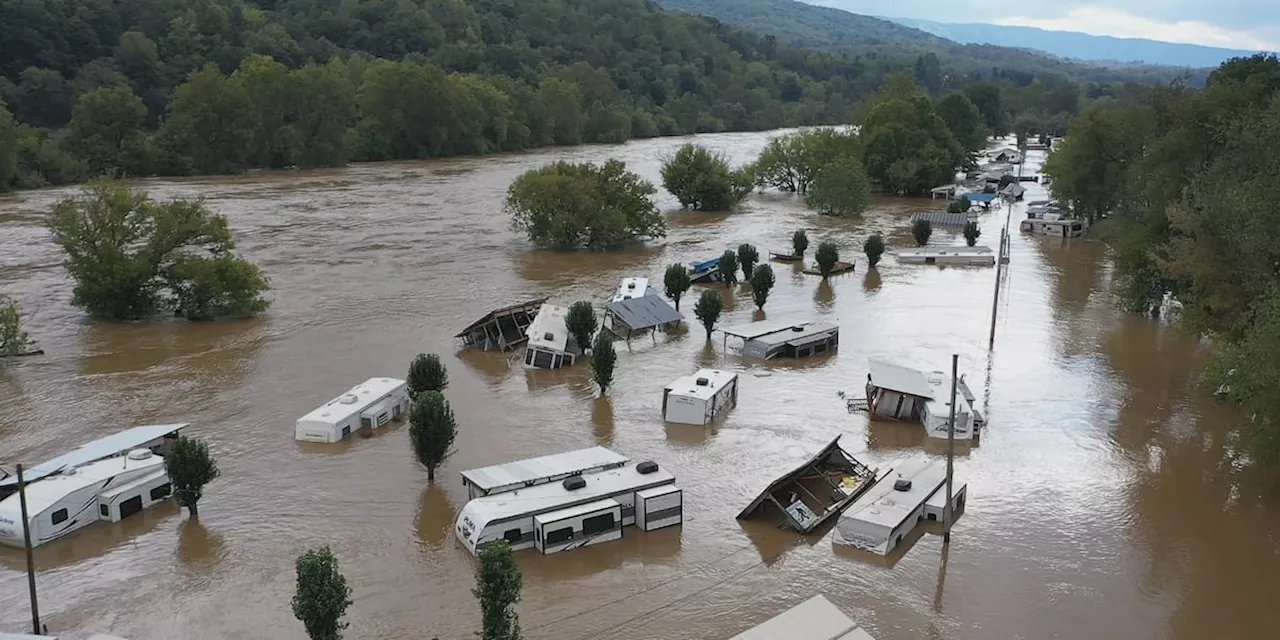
980, 197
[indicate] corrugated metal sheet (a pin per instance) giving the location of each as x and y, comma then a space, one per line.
941, 218
643, 312
899, 378
96, 450
500, 475
753, 330
813, 619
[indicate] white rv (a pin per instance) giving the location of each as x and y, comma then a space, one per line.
368, 405
550, 346
633, 288
564, 515
884, 515
109, 479
701, 397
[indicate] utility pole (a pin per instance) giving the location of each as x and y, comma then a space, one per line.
995, 299
951, 450
31, 562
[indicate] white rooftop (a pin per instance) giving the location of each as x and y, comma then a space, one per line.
885, 506
688, 385
532, 469
96, 450
944, 251
549, 322
632, 288
356, 399
896, 377
753, 330
813, 619
549, 496
25, 636
43, 494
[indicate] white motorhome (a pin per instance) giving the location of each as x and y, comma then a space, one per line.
701, 397
887, 513
550, 346
522, 474
109, 479
368, 405
564, 515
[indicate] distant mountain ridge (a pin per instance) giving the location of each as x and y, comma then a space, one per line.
1079, 46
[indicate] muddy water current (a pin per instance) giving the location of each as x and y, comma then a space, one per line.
1103, 500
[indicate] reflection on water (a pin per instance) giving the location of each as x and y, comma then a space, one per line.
1108, 498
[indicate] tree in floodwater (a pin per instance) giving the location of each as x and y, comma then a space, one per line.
132, 257
322, 595
603, 359
432, 429
971, 233
710, 306
190, 467
13, 340
703, 181
747, 259
799, 243
826, 256
676, 282
874, 248
728, 266
922, 230
761, 284
565, 205
498, 585
426, 373
841, 188
581, 322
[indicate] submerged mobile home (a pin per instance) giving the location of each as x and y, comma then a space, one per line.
820, 488
957, 256
701, 397
895, 392
884, 515
108, 479
768, 340
558, 516
813, 619
550, 345
504, 328
633, 288
521, 474
368, 405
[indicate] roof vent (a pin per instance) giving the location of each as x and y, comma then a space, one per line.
703, 382
348, 398
646, 467
139, 454
549, 337
574, 482
901, 484
631, 285
798, 327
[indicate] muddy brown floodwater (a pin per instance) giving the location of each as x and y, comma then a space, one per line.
1103, 500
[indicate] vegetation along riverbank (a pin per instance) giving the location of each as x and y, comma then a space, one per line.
159, 87
1183, 182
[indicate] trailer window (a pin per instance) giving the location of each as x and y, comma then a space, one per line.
59, 516
161, 492
512, 535
598, 524
542, 359
559, 535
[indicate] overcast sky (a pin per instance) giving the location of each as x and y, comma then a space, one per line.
1235, 24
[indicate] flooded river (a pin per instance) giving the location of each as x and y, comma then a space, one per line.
1103, 500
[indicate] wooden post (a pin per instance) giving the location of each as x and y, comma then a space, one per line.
31, 563
995, 299
951, 450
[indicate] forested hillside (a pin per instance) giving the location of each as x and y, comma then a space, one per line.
377, 79
802, 24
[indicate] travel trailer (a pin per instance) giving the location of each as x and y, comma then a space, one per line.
895, 392
903, 498
633, 288
558, 516
521, 474
813, 619
550, 345
108, 479
701, 397
368, 405
768, 340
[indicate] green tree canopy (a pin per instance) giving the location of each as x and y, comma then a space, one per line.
13, 340
190, 467
708, 309
909, 149
432, 429
841, 188
603, 359
498, 585
426, 373
322, 595
963, 120
703, 181
826, 256
106, 131
676, 282
874, 248
568, 206
761, 284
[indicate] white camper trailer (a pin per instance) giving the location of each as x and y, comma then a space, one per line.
108, 479
517, 516
521, 474
659, 507
550, 346
368, 405
891, 509
633, 288
701, 397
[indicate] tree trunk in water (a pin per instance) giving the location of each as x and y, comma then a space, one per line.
192, 509
431, 473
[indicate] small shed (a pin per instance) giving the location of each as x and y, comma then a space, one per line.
550, 345
946, 191
813, 619
503, 328
623, 317
700, 398
896, 392
769, 340
941, 218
